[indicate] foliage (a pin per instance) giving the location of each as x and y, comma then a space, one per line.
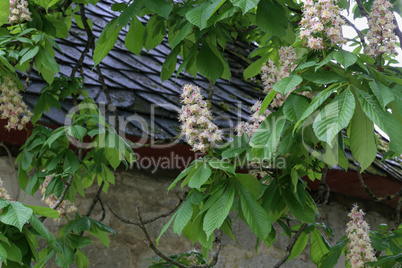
351, 92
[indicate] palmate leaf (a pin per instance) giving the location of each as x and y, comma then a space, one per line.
271, 18
208, 64
199, 15
299, 246
334, 117
345, 58
319, 247
362, 139
160, 7
200, 176
4, 12
135, 36
16, 214
288, 83
294, 107
256, 217
245, 5
106, 40
383, 119
218, 212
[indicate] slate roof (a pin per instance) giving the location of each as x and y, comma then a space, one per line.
135, 85
136, 88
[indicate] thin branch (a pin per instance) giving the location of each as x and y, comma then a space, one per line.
63, 194
397, 31
103, 210
398, 210
95, 199
163, 215
370, 193
26, 85
291, 245
362, 9
151, 245
10, 157
323, 190
359, 33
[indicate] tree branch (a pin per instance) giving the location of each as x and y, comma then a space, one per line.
397, 31
359, 33
362, 9
163, 215
370, 193
291, 245
323, 190
95, 199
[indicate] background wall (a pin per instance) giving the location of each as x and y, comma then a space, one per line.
149, 192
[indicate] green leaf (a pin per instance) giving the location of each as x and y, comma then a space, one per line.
208, 64
160, 7
383, 119
299, 246
135, 36
294, 107
3, 254
256, 217
362, 138
106, 40
4, 12
166, 227
16, 214
47, 60
71, 163
77, 241
334, 117
317, 101
65, 259
155, 32
268, 134
7, 64
183, 217
178, 36
129, 12
199, 15
81, 259
44, 211
287, 84
200, 176
169, 65
319, 247
218, 212
267, 101
245, 5
383, 93
250, 182
13, 252
29, 55
330, 259
323, 77
181, 176
3, 203
78, 132
345, 58
43, 231
255, 68
100, 226
271, 18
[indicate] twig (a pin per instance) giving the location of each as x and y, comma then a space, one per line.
163, 215
10, 157
362, 10
359, 33
398, 210
291, 245
63, 194
26, 85
370, 193
151, 245
95, 199
103, 210
397, 31
323, 190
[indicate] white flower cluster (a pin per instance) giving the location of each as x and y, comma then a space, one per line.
12, 107
19, 12
359, 249
321, 21
3, 192
256, 119
381, 37
65, 207
196, 121
271, 74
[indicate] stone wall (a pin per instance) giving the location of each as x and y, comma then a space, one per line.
149, 192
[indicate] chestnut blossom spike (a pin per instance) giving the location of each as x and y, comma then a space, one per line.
64, 208
359, 249
272, 73
381, 37
3, 192
196, 121
19, 12
12, 106
320, 22
254, 122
